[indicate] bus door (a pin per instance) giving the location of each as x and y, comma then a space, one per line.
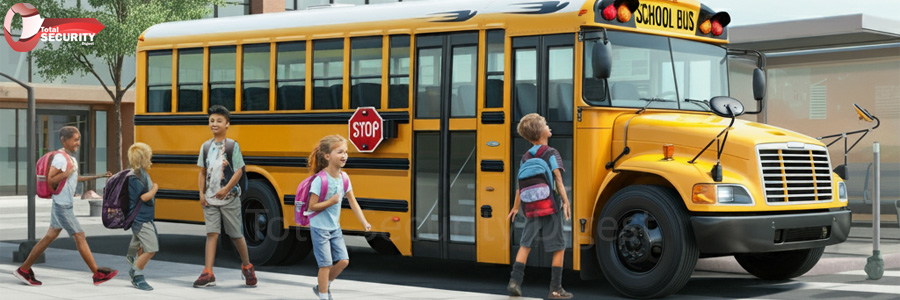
542, 82
445, 145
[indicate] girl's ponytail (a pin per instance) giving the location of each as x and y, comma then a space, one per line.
316, 161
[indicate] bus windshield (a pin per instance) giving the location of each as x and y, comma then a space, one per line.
671, 73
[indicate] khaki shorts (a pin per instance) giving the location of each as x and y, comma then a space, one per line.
228, 215
145, 236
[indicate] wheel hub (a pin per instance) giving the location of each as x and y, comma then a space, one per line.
639, 241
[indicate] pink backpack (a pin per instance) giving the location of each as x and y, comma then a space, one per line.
302, 214
44, 190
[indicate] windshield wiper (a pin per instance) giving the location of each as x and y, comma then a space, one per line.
698, 102
650, 101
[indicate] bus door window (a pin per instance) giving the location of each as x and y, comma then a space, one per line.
190, 80
398, 91
159, 81
222, 62
493, 90
328, 74
290, 77
365, 72
255, 81
463, 80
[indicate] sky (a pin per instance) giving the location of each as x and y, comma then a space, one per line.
747, 12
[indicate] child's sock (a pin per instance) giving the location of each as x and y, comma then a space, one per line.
518, 272
329, 285
555, 278
323, 296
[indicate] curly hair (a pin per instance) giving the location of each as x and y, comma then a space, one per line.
531, 126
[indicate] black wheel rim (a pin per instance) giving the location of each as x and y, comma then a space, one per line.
256, 221
639, 241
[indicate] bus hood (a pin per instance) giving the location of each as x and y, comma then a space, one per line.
696, 130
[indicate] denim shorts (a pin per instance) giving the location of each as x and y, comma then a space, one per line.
63, 216
328, 246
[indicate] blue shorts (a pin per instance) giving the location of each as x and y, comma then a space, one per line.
63, 216
328, 246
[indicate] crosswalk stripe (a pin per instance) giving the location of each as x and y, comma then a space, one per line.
863, 273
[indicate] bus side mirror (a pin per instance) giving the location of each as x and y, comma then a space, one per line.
601, 59
759, 84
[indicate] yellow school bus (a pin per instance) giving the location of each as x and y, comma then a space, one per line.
658, 169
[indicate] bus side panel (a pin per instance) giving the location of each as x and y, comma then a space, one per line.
592, 149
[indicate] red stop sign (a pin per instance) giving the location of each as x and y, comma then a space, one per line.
366, 129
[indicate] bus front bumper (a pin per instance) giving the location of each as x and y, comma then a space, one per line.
768, 233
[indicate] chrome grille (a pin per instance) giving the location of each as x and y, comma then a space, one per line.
795, 173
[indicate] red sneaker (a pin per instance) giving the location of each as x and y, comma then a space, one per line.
26, 277
249, 275
206, 279
104, 274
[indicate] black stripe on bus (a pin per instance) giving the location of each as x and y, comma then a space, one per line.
491, 165
294, 162
366, 204
493, 117
177, 194
266, 119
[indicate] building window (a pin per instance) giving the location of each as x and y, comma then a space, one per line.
222, 76
232, 8
255, 84
328, 74
291, 76
159, 81
398, 91
365, 72
290, 5
190, 80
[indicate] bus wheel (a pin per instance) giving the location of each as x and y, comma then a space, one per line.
267, 240
645, 244
780, 265
382, 244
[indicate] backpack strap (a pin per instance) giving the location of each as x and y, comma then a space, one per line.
229, 151
346, 181
324, 190
205, 150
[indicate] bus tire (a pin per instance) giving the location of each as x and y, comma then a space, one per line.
780, 265
645, 244
300, 248
267, 240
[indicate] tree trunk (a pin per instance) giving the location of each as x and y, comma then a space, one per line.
117, 145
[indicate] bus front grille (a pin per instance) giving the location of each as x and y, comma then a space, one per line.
795, 174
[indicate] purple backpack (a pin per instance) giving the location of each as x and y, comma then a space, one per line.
302, 214
117, 203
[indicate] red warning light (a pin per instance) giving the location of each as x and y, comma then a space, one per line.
717, 28
609, 12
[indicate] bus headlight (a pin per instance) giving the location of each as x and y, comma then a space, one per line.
728, 194
842, 191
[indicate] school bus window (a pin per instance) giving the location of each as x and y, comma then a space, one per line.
561, 76
398, 91
703, 73
525, 81
428, 83
190, 80
255, 81
222, 76
328, 74
464, 79
159, 81
493, 90
291, 76
643, 69
593, 89
365, 72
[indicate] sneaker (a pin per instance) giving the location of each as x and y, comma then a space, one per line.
104, 274
514, 288
316, 292
140, 283
205, 280
249, 275
26, 277
560, 294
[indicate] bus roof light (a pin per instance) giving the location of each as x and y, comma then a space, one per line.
624, 14
609, 13
705, 27
717, 28
582, 12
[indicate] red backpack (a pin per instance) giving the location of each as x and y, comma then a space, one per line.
302, 214
44, 190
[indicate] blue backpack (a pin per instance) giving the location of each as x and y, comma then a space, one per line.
536, 185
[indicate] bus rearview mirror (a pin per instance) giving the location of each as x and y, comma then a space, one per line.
759, 84
601, 59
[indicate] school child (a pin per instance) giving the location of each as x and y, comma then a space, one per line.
64, 167
325, 227
547, 229
143, 230
220, 197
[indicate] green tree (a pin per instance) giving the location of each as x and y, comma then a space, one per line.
124, 21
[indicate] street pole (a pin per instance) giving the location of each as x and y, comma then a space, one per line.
26, 246
875, 264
